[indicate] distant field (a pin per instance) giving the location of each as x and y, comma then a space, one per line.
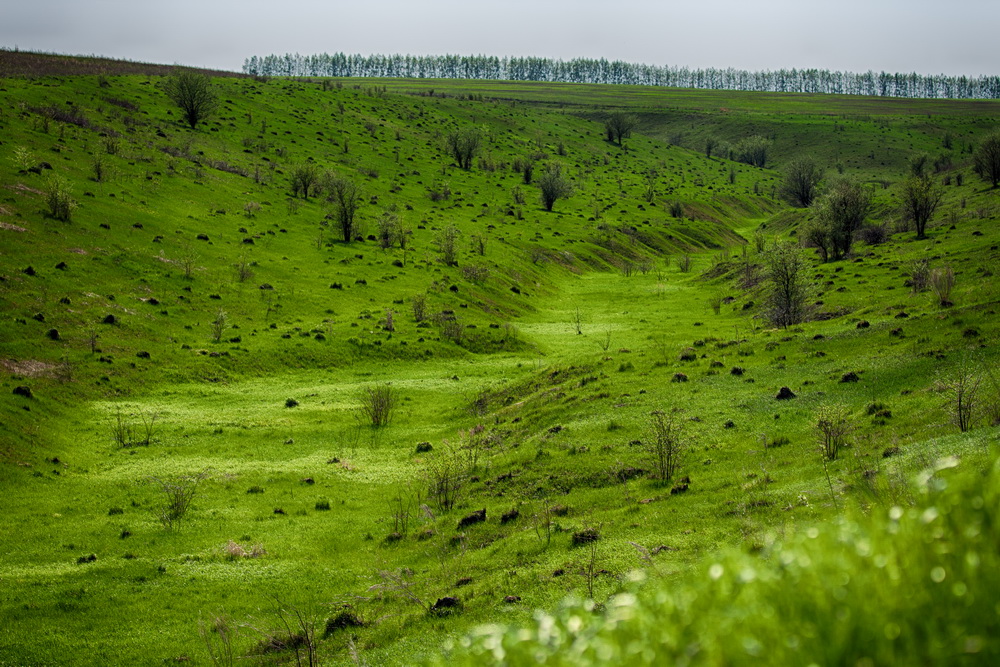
642, 98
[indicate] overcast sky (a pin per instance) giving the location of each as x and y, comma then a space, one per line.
925, 36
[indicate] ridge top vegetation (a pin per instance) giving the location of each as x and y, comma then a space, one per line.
618, 72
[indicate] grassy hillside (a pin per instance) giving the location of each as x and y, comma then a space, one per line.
196, 326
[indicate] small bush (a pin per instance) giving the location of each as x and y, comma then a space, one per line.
344, 619
920, 275
419, 305
378, 403
942, 283
586, 536
665, 445
874, 234
59, 199
832, 428
177, 496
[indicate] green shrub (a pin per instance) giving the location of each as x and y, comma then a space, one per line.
59, 199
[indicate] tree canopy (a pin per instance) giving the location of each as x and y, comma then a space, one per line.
192, 93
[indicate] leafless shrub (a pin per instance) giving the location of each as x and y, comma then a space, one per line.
942, 283
665, 444
251, 209
297, 633
218, 634
446, 475
222, 165
131, 429
961, 389
833, 424
177, 495
400, 582
378, 403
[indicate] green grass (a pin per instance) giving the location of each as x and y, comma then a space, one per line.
557, 413
855, 590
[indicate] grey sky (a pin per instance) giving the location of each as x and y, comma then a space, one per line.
926, 36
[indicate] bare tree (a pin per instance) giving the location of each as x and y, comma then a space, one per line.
345, 196
987, 159
554, 185
463, 146
800, 181
788, 287
192, 93
921, 197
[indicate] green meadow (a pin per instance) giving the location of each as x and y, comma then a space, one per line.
193, 357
